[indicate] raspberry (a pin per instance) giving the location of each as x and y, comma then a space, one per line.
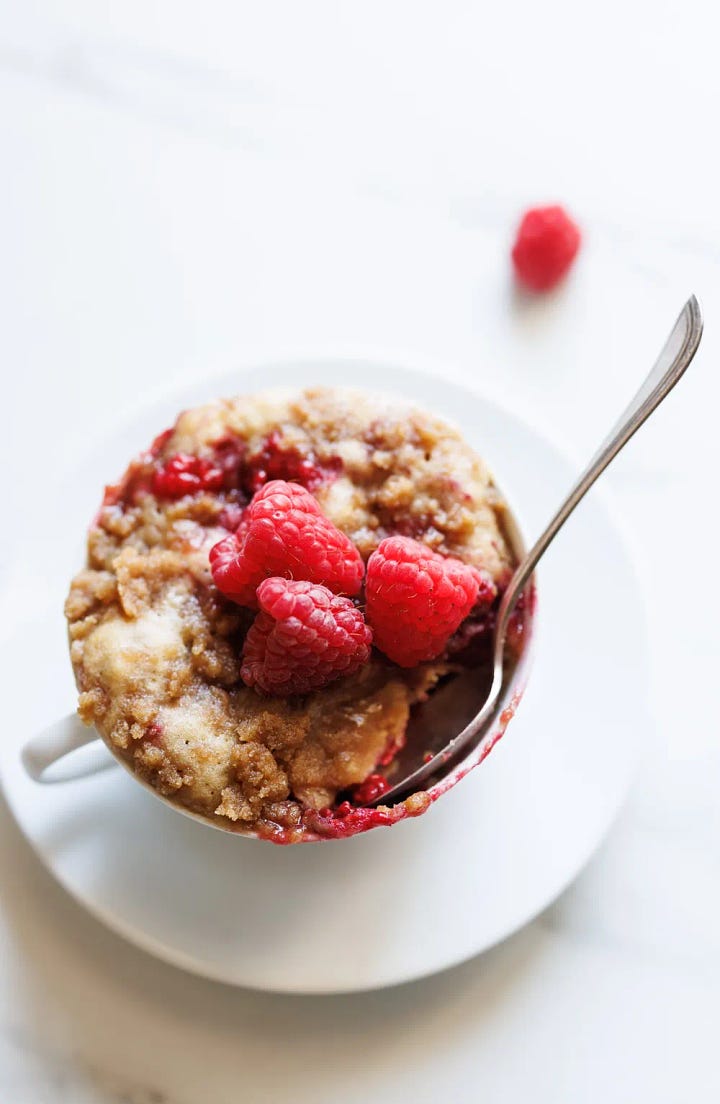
545, 247
228, 454
374, 786
276, 460
416, 599
185, 474
304, 637
284, 532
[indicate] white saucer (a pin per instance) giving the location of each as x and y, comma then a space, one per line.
395, 904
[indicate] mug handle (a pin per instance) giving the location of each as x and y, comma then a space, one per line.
54, 743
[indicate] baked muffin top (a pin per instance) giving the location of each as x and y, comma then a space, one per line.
156, 647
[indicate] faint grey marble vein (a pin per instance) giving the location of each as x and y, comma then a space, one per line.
176, 91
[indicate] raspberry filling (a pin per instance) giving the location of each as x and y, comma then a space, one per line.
374, 786
226, 469
346, 819
183, 474
276, 460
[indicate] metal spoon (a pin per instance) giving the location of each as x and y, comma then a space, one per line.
459, 699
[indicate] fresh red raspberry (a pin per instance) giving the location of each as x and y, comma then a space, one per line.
284, 532
185, 474
415, 599
545, 247
304, 637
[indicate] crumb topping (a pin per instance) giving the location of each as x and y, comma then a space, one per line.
155, 647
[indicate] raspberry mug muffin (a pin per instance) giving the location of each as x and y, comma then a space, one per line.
271, 590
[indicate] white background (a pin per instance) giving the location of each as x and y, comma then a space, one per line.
183, 185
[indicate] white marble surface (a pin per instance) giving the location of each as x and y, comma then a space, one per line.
181, 187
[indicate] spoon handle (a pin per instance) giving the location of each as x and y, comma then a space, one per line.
678, 351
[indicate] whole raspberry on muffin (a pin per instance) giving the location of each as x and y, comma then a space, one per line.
284, 532
219, 632
303, 638
416, 599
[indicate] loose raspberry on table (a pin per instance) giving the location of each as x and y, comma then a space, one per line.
416, 599
303, 637
545, 247
284, 532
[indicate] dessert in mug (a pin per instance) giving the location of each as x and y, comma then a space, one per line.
269, 591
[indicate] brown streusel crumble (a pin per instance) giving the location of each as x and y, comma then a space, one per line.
155, 647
